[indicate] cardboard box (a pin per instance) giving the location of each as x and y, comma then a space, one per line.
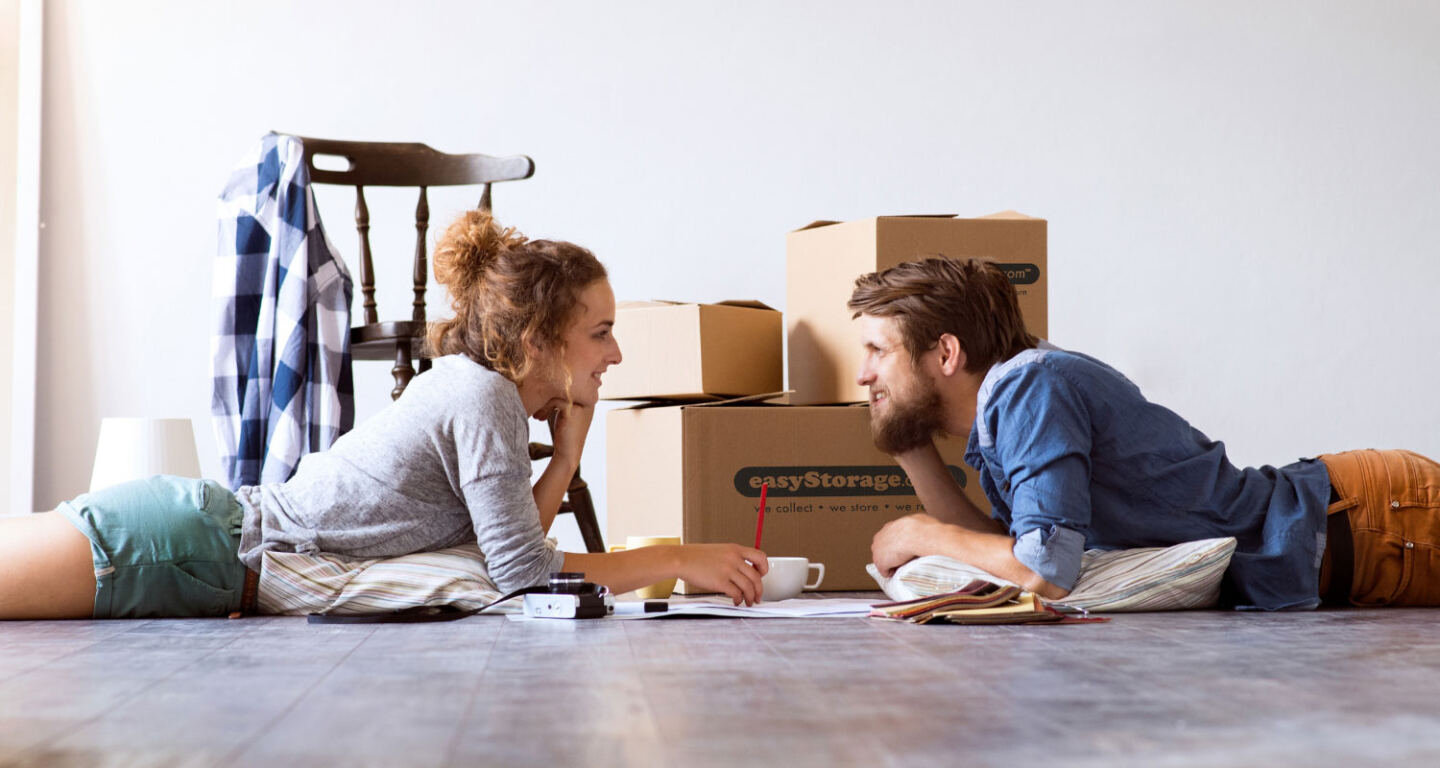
677, 351
824, 258
695, 471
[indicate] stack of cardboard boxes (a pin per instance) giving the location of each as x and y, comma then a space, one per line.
691, 462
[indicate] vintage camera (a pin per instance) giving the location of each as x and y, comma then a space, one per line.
570, 597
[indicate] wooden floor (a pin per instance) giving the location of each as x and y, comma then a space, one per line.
1316, 689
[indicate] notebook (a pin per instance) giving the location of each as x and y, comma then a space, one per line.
979, 602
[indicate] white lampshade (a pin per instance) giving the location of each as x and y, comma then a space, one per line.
130, 449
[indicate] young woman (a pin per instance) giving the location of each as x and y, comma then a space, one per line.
446, 463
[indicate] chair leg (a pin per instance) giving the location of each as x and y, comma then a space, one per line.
584, 509
402, 371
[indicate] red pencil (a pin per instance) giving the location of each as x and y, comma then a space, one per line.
760, 521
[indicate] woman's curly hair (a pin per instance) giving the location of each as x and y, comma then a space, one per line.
512, 296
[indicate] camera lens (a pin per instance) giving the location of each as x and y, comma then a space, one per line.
566, 583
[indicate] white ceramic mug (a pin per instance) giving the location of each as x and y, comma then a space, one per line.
788, 576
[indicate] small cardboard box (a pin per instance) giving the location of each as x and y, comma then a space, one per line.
677, 351
695, 471
824, 258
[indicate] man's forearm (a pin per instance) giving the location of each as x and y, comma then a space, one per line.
993, 553
943, 498
968, 535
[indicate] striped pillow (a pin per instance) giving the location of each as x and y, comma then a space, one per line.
296, 584
1150, 579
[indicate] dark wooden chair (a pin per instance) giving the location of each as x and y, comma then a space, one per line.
392, 164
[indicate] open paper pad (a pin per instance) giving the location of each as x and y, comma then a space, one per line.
798, 608
979, 602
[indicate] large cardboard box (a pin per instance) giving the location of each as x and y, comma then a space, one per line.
824, 258
675, 350
695, 471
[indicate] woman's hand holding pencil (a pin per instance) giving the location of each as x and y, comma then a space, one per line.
728, 568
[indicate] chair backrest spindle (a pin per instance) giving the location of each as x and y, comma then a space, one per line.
422, 223
367, 266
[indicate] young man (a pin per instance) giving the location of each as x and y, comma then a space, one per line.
1072, 457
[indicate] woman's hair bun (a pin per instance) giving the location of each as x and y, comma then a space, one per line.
469, 247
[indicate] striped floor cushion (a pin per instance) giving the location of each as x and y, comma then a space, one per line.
296, 584
1150, 579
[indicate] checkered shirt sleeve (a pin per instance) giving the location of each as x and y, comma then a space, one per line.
281, 349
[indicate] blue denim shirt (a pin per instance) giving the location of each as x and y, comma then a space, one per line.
1072, 457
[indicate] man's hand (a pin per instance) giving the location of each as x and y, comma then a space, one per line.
903, 540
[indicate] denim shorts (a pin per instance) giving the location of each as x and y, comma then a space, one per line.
163, 547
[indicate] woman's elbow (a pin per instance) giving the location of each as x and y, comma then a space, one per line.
508, 580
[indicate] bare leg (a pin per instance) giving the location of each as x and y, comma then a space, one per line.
46, 571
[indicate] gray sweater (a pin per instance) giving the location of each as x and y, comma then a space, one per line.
447, 463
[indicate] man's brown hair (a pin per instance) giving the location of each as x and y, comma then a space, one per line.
970, 298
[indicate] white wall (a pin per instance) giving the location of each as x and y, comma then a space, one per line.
1242, 199
9, 99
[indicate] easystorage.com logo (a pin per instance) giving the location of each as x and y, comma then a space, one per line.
1021, 274
830, 481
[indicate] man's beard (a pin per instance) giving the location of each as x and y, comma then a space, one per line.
909, 423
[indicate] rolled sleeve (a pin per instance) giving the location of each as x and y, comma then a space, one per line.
1053, 553
1041, 472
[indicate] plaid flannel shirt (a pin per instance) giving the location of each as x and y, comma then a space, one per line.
281, 352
